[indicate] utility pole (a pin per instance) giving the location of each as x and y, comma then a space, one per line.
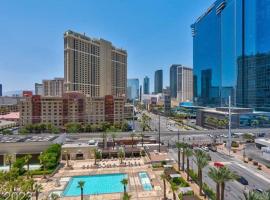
229, 133
159, 133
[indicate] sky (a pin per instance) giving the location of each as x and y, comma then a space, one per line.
155, 33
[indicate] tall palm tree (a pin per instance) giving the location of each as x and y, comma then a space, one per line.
189, 153
124, 181
27, 159
97, 155
9, 160
226, 175
37, 188
178, 146
174, 189
81, 186
126, 196
215, 175
164, 178
113, 134
121, 154
201, 161
132, 135
184, 147
54, 196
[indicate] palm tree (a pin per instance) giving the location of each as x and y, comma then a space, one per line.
174, 189
81, 186
124, 181
164, 178
126, 196
184, 147
132, 135
253, 195
201, 161
97, 155
178, 146
113, 134
214, 174
54, 196
226, 175
121, 154
104, 137
189, 153
37, 188
9, 160
27, 159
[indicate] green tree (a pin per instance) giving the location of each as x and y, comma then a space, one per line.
9, 159
164, 178
37, 189
226, 175
215, 175
254, 195
97, 155
201, 161
125, 183
19, 164
81, 186
174, 189
121, 154
144, 122
125, 127
188, 153
126, 196
27, 159
179, 147
184, 147
113, 135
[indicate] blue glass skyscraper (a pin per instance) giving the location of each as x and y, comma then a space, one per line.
231, 54
133, 88
146, 85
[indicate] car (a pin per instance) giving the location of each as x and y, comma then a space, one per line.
242, 180
205, 149
258, 190
261, 134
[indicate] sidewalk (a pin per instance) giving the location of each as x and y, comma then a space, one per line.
239, 156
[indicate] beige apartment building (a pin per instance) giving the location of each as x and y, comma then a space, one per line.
184, 84
94, 67
72, 107
53, 88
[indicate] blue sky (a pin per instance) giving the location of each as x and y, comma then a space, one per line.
156, 34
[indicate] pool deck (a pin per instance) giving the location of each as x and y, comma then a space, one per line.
86, 167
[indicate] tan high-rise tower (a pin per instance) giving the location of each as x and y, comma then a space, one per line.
94, 67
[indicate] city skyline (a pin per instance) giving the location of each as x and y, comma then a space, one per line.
32, 67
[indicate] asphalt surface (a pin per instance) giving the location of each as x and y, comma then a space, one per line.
233, 190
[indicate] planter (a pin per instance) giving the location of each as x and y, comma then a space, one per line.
250, 159
255, 163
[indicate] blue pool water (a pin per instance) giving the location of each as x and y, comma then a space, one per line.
96, 184
145, 181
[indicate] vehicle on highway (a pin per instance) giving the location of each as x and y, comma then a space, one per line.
258, 190
213, 148
218, 164
242, 180
205, 149
261, 134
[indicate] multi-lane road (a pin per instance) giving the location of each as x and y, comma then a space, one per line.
234, 190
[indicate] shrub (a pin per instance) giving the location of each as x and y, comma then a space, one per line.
250, 159
19, 163
193, 175
235, 144
255, 163
208, 191
180, 182
259, 167
157, 165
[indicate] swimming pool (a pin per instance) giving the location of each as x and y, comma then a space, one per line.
145, 181
96, 184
